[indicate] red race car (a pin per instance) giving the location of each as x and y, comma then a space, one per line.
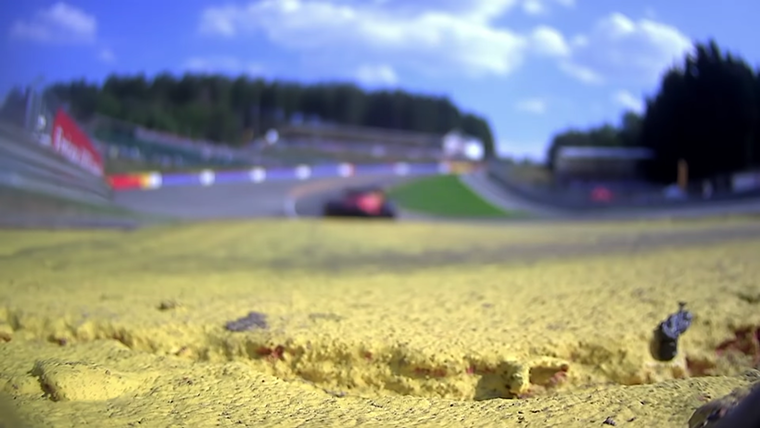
371, 202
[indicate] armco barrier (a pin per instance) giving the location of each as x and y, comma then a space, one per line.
745, 182
27, 165
743, 187
499, 174
154, 180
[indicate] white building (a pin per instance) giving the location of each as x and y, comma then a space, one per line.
458, 146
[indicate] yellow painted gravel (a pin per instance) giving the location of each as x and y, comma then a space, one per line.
379, 324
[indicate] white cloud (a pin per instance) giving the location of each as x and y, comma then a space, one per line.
624, 50
61, 23
382, 75
223, 64
579, 72
579, 41
628, 101
548, 41
443, 36
534, 7
541, 7
476, 9
107, 55
482, 10
532, 105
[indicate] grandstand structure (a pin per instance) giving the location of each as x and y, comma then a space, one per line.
377, 142
392, 144
124, 140
608, 164
360, 135
295, 144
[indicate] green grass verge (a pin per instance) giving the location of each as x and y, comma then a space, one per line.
446, 196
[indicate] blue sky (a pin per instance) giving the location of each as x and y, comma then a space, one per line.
531, 67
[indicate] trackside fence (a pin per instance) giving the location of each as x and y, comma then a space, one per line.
43, 150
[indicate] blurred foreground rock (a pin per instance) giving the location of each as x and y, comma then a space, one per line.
711, 413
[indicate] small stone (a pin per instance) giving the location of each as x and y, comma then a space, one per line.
6, 332
249, 322
167, 305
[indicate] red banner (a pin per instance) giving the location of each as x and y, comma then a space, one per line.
125, 182
73, 144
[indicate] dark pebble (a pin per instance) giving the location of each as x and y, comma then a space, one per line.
249, 322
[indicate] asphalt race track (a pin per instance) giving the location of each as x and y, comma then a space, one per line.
215, 202
306, 198
229, 201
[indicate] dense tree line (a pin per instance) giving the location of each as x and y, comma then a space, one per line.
219, 108
706, 112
